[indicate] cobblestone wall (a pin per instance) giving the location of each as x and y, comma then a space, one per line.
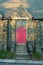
34, 34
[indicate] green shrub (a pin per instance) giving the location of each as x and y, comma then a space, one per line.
6, 54
10, 55
3, 54
37, 55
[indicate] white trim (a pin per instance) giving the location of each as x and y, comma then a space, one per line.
19, 17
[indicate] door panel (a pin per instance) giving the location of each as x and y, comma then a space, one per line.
21, 36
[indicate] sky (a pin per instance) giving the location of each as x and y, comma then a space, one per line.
35, 7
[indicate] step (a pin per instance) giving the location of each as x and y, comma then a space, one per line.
21, 48
21, 51
20, 44
22, 54
22, 57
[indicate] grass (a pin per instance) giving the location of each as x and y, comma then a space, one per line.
6, 54
37, 55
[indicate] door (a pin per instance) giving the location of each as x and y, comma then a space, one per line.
21, 36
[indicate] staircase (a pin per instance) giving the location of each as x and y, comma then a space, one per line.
21, 52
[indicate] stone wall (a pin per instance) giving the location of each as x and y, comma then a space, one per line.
34, 34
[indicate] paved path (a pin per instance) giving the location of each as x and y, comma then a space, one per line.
19, 64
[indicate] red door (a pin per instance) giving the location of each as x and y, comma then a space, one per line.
21, 36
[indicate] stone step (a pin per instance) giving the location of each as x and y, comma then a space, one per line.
20, 44
22, 54
22, 57
21, 51
21, 48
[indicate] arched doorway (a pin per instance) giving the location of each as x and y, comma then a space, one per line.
21, 36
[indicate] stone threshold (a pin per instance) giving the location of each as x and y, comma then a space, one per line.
20, 61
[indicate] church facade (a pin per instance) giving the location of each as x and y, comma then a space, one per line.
20, 29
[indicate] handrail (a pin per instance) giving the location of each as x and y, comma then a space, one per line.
15, 47
27, 47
